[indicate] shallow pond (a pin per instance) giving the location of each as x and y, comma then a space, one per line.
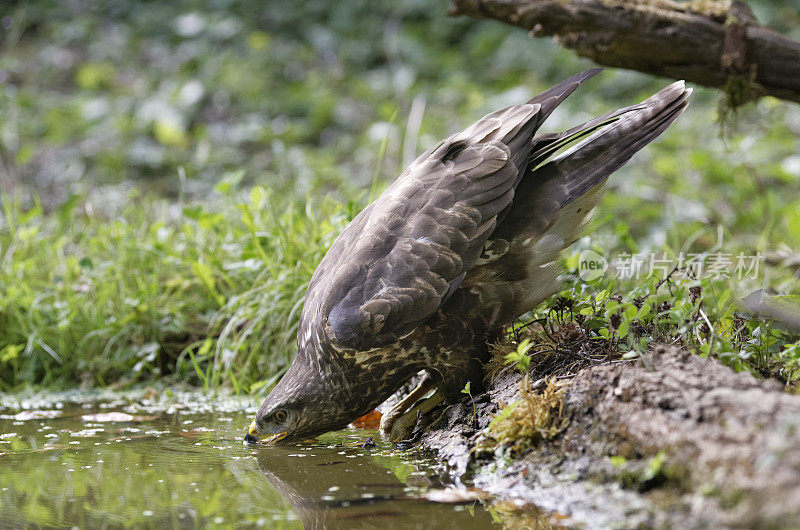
166, 459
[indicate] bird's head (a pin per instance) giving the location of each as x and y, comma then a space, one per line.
300, 407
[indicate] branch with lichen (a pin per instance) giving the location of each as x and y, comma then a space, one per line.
716, 43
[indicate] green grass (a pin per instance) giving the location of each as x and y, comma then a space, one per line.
211, 294
207, 295
173, 172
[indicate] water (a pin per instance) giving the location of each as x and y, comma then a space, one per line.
177, 460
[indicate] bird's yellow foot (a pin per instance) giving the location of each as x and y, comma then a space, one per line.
400, 427
388, 420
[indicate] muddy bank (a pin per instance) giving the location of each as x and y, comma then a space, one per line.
670, 440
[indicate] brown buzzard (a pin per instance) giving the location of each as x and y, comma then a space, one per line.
460, 244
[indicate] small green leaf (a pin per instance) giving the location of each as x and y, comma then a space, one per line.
193, 212
258, 196
206, 277
92, 76
655, 466
505, 413
229, 182
170, 132
205, 347
11, 352
618, 461
258, 40
495, 517
623, 328
248, 221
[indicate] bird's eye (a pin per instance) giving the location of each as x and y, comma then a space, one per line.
280, 416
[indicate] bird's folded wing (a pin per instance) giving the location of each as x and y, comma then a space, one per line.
402, 257
398, 262
554, 180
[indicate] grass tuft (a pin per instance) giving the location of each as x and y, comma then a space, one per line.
207, 295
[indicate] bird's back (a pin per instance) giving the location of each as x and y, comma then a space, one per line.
557, 192
472, 226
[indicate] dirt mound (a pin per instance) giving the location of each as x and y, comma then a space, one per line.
671, 439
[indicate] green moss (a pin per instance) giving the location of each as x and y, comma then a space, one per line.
522, 424
657, 472
738, 91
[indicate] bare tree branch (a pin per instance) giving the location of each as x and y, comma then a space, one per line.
713, 43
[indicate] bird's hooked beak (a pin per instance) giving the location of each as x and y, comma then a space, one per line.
253, 437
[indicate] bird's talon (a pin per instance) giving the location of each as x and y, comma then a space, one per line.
403, 426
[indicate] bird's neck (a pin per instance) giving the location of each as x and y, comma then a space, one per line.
356, 381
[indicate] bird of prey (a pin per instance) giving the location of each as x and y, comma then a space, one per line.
463, 242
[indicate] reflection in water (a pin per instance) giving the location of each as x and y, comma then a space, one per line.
338, 486
147, 463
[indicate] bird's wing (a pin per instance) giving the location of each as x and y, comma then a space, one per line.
413, 246
552, 181
406, 253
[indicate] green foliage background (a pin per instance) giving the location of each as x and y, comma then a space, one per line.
172, 173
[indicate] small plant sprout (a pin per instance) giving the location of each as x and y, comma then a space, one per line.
519, 358
468, 391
